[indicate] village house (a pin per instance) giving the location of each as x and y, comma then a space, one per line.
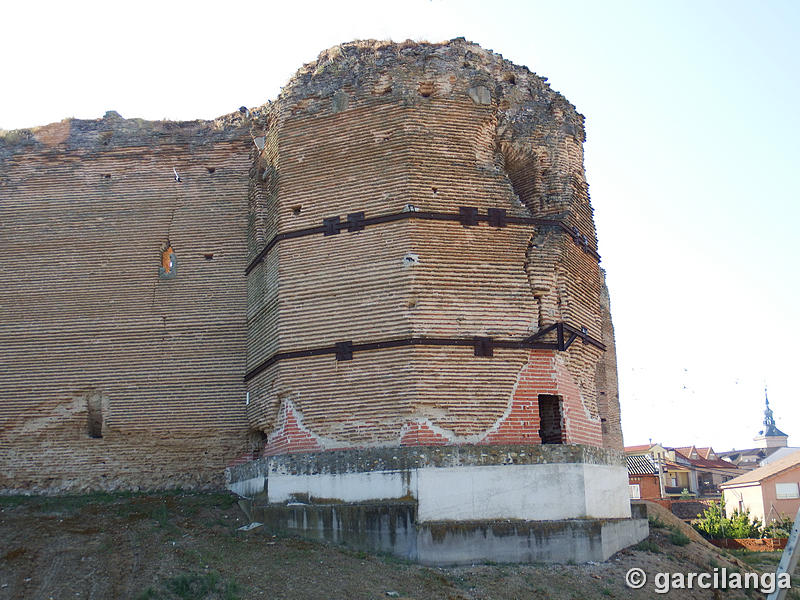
643, 480
769, 492
698, 471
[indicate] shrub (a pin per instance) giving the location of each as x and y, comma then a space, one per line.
679, 538
712, 522
742, 526
715, 525
779, 528
656, 522
647, 546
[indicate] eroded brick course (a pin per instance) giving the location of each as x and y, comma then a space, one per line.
128, 324
381, 128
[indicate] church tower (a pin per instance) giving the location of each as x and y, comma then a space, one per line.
770, 436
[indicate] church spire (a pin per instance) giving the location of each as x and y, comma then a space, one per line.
769, 421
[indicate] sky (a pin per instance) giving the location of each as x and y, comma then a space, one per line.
692, 153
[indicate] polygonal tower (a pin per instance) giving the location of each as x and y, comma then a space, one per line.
428, 323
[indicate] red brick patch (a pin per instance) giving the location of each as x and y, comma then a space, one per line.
544, 374
422, 433
291, 436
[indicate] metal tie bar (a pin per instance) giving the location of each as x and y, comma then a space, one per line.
467, 216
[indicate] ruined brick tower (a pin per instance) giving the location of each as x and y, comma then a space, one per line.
376, 300
423, 261
429, 336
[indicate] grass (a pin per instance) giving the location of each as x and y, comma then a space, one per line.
678, 538
129, 504
758, 559
655, 522
193, 586
647, 546
64, 504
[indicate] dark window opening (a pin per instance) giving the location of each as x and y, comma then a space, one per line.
94, 408
208, 256
211, 169
550, 419
256, 439
296, 210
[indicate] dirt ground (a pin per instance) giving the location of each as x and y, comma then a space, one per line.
176, 545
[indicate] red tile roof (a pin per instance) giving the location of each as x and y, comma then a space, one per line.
639, 448
768, 470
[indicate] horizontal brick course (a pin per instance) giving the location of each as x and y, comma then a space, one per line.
333, 147
124, 290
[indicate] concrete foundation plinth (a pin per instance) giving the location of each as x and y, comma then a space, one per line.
449, 505
392, 527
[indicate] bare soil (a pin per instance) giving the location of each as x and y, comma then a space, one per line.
187, 545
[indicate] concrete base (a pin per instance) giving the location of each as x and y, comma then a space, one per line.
449, 505
462, 483
392, 527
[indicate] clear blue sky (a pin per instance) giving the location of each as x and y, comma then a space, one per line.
692, 153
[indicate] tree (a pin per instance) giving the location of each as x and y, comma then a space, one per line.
712, 522
742, 526
779, 528
715, 524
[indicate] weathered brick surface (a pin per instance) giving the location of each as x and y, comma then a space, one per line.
125, 312
545, 373
608, 399
290, 435
87, 209
376, 127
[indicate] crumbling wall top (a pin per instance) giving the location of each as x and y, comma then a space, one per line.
522, 93
114, 131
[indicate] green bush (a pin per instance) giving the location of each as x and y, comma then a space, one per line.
742, 526
715, 525
655, 522
779, 528
679, 538
712, 523
193, 586
647, 546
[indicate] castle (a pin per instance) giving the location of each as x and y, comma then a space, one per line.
384, 285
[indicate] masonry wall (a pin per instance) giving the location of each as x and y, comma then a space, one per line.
141, 316
384, 128
774, 507
116, 372
649, 486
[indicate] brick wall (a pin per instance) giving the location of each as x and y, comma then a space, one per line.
649, 486
376, 127
89, 317
127, 323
